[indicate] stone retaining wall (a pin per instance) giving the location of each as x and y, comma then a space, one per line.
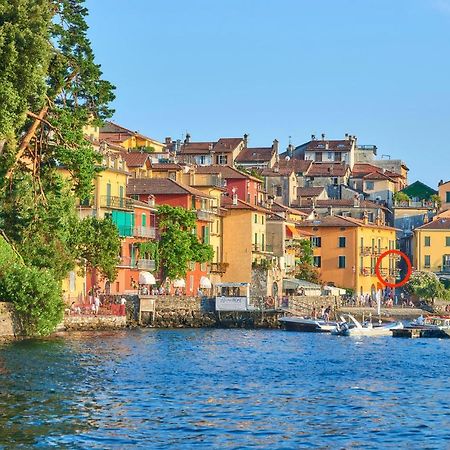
305, 304
92, 322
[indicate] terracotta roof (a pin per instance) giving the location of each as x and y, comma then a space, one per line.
277, 172
361, 170
283, 208
161, 186
327, 169
225, 145
332, 146
257, 154
342, 203
166, 166
227, 203
196, 148
439, 223
113, 132
227, 172
309, 191
298, 165
339, 221
135, 159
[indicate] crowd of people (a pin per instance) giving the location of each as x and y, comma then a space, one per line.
388, 300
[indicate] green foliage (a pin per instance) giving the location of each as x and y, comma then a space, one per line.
400, 197
50, 89
147, 149
35, 293
179, 244
150, 250
97, 242
304, 267
426, 285
263, 264
436, 199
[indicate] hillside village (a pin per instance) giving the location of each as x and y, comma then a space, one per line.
256, 205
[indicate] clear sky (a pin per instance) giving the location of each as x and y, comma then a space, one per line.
378, 69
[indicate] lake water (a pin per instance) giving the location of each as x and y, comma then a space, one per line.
224, 389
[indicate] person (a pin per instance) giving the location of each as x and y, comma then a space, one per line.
420, 320
326, 314
123, 301
96, 305
314, 313
199, 293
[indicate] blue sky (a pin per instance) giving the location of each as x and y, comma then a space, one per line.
378, 69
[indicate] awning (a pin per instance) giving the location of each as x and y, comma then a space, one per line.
205, 283
146, 278
180, 283
334, 290
294, 233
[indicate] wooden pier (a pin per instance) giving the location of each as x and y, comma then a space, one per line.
413, 332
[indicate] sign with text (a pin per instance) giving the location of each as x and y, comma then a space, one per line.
231, 304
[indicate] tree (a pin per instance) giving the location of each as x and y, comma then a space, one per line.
400, 197
97, 242
436, 199
50, 90
305, 263
179, 244
426, 285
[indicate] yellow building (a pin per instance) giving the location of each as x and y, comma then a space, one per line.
244, 239
432, 245
346, 252
128, 139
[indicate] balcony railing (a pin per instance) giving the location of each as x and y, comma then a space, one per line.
135, 263
147, 232
411, 204
108, 201
218, 267
204, 215
146, 264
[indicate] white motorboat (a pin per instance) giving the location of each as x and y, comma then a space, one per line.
307, 324
349, 326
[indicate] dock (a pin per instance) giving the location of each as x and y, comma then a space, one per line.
418, 332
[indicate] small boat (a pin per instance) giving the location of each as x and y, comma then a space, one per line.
428, 327
349, 326
307, 324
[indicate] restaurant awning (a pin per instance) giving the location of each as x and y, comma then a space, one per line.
180, 283
146, 278
205, 283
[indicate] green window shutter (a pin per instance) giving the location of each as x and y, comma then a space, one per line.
144, 220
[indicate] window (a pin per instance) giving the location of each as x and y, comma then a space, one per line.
342, 242
262, 242
256, 239
256, 218
144, 220
221, 159
341, 263
193, 202
447, 197
317, 261
330, 155
369, 185
279, 191
427, 261
447, 241
427, 242
262, 220
248, 198
108, 194
316, 242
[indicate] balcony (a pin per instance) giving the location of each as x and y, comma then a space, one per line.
218, 267
145, 232
146, 264
204, 215
114, 202
134, 263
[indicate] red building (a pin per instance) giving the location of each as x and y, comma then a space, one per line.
248, 188
169, 192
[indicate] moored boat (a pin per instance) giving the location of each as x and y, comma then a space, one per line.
350, 326
307, 324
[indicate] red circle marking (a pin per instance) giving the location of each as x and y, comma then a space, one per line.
408, 273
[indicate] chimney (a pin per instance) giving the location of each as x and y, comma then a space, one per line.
346, 136
356, 201
313, 137
330, 210
323, 136
365, 218
425, 218
378, 220
275, 146
168, 140
235, 199
245, 140
187, 139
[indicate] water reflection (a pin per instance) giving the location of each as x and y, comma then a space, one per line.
223, 388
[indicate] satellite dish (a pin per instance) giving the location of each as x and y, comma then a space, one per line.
288, 158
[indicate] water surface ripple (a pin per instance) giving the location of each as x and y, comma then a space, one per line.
224, 389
